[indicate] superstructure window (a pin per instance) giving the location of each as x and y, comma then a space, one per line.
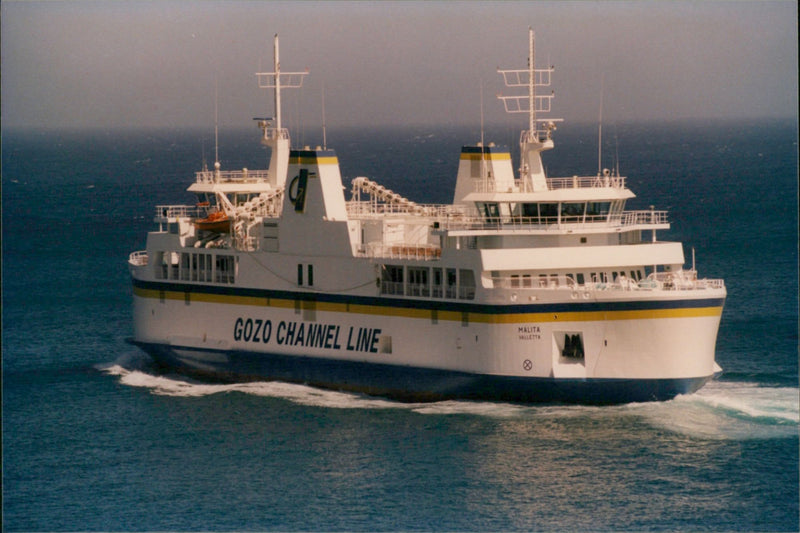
417, 282
572, 212
226, 269
437, 283
597, 211
491, 211
392, 279
466, 289
161, 267
451, 283
425, 282
548, 213
530, 211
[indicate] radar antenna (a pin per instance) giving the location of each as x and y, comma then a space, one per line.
279, 80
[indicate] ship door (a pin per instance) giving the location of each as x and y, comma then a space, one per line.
569, 354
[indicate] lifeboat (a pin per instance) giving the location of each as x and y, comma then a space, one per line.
217, 222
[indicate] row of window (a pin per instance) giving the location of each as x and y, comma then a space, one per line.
398, 280
580, 278
549, 212
196, 266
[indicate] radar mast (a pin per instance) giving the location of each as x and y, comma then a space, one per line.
537, 137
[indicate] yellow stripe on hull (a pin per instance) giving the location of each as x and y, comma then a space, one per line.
454, 316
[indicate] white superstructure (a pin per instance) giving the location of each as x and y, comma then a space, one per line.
526, 288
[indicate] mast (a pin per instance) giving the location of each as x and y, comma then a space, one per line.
531, 86
536, 138
275, 135
278, 80
276, 57
600, 129
324, 132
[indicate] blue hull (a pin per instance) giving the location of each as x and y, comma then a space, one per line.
411, 383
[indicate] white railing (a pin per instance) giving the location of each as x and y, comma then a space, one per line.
138, 258
482, 185
585, 182
685, 280
271, 134
678, 281
552, 223
231, 176
456, 217
639, 218
367, 209
165, 213
414, 252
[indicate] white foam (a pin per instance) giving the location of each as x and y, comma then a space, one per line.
301, 394
721, 410
455, 407
729, 410
751, 400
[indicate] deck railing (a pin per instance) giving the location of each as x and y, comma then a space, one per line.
167, 213
484, 185
456, 217
679, 281
138, 258
231, 176
414, 252
555, 223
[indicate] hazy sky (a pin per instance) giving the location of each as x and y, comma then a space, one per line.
132, 64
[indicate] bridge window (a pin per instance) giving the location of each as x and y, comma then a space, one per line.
548, 213
572, 212
530, 211
491, 211
597, 211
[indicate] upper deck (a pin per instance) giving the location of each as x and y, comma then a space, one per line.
612, 184
589, 204
240, 177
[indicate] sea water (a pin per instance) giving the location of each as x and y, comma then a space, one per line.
94, 438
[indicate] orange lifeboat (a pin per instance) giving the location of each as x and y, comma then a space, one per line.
217, 222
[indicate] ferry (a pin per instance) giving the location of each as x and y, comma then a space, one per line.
527, 288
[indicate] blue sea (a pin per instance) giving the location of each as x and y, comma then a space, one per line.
94, 438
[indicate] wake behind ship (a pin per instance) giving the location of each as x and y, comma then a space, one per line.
526, 288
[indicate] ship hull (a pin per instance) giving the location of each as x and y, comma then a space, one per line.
631, 351
410, 383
